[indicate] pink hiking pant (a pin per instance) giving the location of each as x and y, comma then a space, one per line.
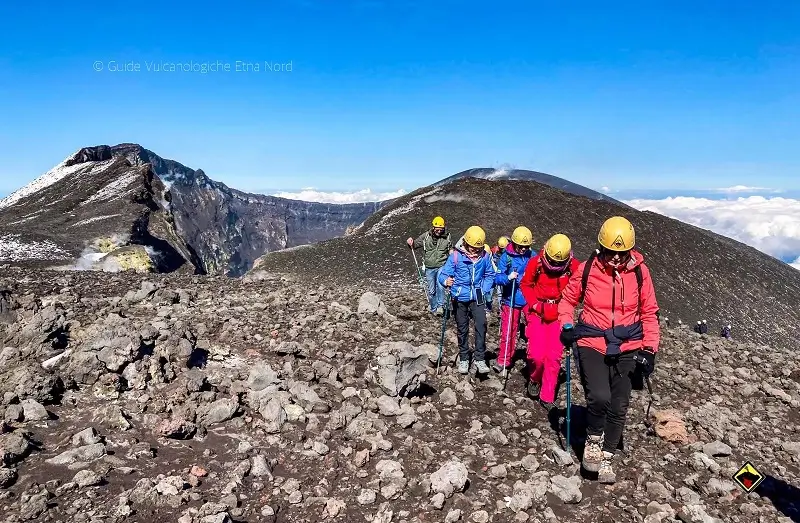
508, 343
544, 354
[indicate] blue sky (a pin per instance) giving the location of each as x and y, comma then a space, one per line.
388, 95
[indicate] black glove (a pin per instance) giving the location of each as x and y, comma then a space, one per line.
568, 336
646, 358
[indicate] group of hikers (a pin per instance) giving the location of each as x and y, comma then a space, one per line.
615, 336
702, 327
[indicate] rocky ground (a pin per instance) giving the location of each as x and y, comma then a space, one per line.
201, 399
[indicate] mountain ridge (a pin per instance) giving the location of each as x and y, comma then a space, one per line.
225, 228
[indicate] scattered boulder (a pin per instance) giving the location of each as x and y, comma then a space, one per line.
401, 366
452, 477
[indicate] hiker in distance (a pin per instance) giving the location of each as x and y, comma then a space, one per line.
704, 327
469, 274
511, 268
436, 246
547, 276
616, 331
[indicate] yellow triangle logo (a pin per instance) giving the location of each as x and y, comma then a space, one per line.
748, 477
619, 242
559, 255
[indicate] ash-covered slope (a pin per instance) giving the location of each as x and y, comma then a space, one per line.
170, 398
528, 176
225, 229
90, 205
698, 274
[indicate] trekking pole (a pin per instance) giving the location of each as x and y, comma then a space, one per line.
508, 331
499, 291
444, 329
569, 394
649, 403
420, 276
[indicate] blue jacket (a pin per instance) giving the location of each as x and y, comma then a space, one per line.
510, 261
468, 275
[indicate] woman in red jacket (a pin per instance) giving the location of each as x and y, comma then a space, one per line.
547, 275
617, 329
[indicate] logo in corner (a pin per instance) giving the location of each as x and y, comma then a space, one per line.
748, 477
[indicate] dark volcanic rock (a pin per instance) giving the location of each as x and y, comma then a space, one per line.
304, 411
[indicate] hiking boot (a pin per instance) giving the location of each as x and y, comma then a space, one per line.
497, 367
439, 311
547, 405
463, 366
593, 453
606, 474
533, 389
481, 367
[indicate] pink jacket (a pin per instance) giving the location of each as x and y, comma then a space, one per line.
613, 300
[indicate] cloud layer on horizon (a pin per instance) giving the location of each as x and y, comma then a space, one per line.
310, 194
771, 225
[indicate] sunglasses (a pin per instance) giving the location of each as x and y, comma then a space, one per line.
610, 255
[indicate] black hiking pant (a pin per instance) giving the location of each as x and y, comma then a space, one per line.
464, 311
607, 386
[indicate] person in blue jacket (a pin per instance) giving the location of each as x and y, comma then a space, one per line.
511, 267
469, 274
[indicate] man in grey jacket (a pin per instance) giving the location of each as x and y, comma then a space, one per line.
436, 246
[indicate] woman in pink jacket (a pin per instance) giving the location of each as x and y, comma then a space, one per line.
617, 330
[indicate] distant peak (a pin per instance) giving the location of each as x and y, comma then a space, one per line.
98, 153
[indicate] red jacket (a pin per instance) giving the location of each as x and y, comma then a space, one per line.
543, 295
613, 300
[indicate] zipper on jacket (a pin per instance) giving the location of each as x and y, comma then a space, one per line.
472, 283
613, 295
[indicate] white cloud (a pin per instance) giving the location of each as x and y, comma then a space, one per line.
605, 189
738, 189
310, 194
771, 225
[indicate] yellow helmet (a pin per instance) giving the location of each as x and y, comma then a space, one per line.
617, 234
558, 248
475, 236
522, 236
502, 242
438, 222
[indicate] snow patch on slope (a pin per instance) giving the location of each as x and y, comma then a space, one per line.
52, 176
114, 189
94, 219
403, 209
13, 248
446, 198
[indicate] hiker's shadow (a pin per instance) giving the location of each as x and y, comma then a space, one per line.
784, 497
557, 417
